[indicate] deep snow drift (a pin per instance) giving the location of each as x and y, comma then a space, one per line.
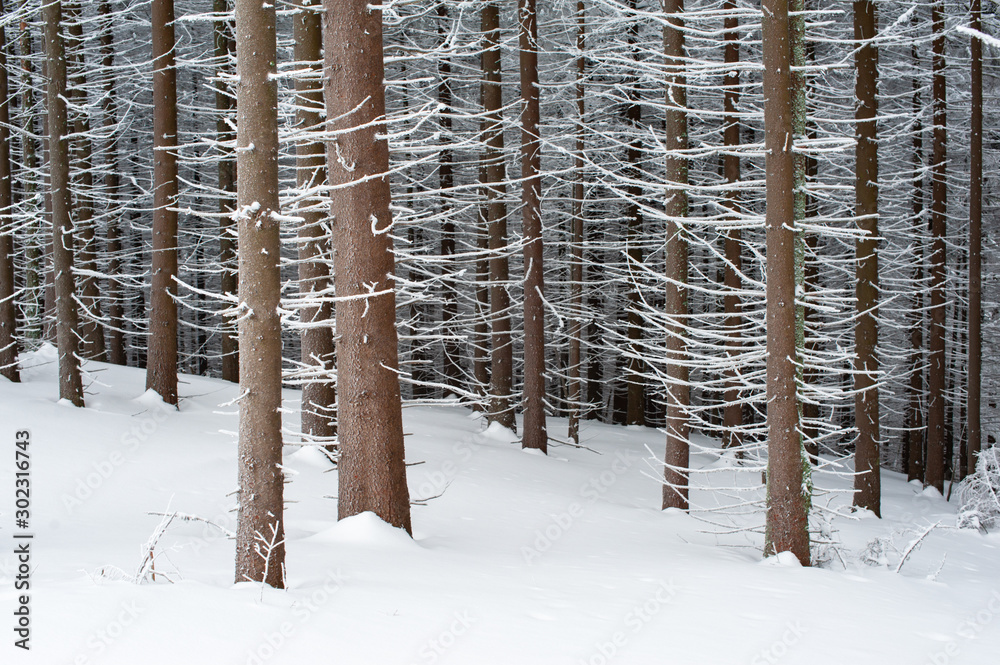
521, 559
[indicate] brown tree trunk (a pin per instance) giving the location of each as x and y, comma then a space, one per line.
319, 395
534, 435
867, 477
732, 303
481, 330
372, 474
112, 182
224, 105
8, 313
635, 409
161, 360
502, 352
787, 509
261, 516
576, 235
91, 330
446, 179
914, 425
939, 191
675, 488
33, 280
70, 382
975, 242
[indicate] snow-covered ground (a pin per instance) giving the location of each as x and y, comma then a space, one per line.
521, 559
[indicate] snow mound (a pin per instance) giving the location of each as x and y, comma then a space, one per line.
498, 432
783, 560
931, 492
368, 530
150, 398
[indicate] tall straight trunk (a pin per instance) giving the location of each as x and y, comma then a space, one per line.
446, 180
481, 329
974, 375
635, 409
70, 382
787, 507
112, 186
260, 550
867, 469
91, 330
810, 273
733, 410
797, 33
676, 458
534, 435
502, 352
939, 203
33, 280
319, 392
224, 104
8, 314
161, 362
372, 474
914, 424
576, 234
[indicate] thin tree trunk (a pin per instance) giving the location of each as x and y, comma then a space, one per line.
224, 104
733, 410
372, 474
534, 435
112, 185
867, 477
8, 312
576, 234
91, 330
261, 517
34, 280
636, 387
939, 192
676, 459
70, 382
502, 352
914, 424
319, 392
161, 363
787, 507
481, 329
974, 385
446, 179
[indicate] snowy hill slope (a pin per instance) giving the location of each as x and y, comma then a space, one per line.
521, 559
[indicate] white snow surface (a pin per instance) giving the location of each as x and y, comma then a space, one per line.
521, 559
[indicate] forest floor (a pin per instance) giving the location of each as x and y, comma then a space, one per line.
521, 559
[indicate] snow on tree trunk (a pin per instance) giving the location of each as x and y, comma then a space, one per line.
70, 382
260, 552
787, 510
371, 472
161, 363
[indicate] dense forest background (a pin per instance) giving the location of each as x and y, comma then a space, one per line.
652, 307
